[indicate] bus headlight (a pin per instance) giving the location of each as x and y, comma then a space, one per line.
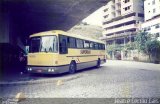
50, 70
29, 69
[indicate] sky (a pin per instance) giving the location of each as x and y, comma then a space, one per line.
95, 18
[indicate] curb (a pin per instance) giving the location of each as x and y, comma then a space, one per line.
39, 81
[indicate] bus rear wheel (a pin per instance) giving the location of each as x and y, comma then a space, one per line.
98, 63
72, 67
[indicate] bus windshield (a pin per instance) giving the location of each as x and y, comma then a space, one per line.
44, 44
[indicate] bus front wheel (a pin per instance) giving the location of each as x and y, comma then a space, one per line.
72, 67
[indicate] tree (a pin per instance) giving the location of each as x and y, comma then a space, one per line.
141, 39
153, 48
130, 46
148, 45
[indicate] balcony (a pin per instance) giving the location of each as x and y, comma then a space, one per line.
121, 21
125, 34
122, 28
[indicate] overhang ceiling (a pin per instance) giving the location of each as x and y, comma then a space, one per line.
24, 17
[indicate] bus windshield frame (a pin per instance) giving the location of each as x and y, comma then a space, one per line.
43, 44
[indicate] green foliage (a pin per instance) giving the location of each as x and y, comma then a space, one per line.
141, 39
114, 47
130, 46
153, 47
148, 45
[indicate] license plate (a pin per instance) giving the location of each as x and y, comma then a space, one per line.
39, 71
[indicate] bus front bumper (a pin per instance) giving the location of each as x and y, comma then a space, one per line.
48, 69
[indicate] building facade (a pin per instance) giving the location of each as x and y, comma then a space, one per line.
152, 17
121, 20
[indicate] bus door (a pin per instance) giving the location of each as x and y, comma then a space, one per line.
63, 49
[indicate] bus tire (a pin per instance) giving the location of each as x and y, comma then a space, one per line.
98, 63
72, 67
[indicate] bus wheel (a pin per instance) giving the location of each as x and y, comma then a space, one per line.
72, 67
98, 63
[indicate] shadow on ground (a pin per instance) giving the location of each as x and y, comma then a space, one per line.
24, 76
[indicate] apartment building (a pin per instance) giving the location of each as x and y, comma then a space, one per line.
152, 17
121, 20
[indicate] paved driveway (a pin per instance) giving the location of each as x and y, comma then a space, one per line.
114, 79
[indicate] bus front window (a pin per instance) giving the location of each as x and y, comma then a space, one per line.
44, 44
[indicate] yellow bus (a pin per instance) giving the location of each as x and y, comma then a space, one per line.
56, 51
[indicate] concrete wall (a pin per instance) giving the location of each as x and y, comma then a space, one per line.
148, 9
131, 55
124, 5
139, 5
134, 55
152, 25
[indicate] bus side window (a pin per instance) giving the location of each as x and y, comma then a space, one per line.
95, 45
103, 46
63, 49
91, 45
79, 43
72, 42
100, 46
86, 44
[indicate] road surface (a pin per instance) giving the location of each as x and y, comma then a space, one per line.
115, 79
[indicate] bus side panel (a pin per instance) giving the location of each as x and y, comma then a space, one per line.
85, 60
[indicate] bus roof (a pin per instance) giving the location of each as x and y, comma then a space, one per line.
57, 32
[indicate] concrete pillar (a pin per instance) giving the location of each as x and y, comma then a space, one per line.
4, 25
124, 41
114, 42
122, 56
132, 54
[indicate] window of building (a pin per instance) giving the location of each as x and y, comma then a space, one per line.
154, 10
105, 10
140, 15
153, 2
127, 8
126, 1
157, 26
106, 16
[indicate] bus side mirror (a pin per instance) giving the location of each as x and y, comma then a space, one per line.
27, 49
